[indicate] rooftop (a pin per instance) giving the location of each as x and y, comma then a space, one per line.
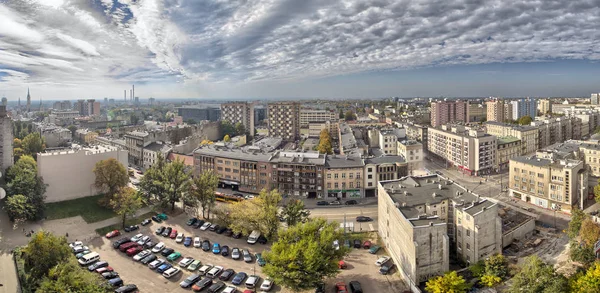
507, 139
338, 161
157, 147
532, 160
513, 126
226, 151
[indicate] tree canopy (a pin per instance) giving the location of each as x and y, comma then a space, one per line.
303, 256
165, 183
18, 208
33, 144
597, 192
125, 203
577, 217
450, 282
525, 120
325, 146
294, 212
111, 176
23, 180
349, 116
259, 214
202, 191
588, 282
590, 232
70, 277
537, 277
44, 251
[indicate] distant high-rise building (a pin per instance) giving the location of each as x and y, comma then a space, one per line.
151, 101
4, 101
443, 112
284, 120
498, 110
523, 107
6, 140
105, 101
545, 106
28, 101
242, 112
595, 99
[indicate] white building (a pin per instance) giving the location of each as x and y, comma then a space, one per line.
313, 115
152, 151
69, 174
242, 112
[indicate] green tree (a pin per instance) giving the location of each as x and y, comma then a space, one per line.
325, 146
111, 176
496, 265
226, 138
577, 217
588, 282
538, 277
221, 216
303, 255
578, 252
69, 277
239, 128
294, 212
151, 186
525, 120
341, 114
33, 144
43, 252
227, 129
259, 214
450, 282
202, 190
73, 129
490, 280
125, 203
176, 183
134, 119
22, 179
349, 116
589, 233
597, 192
18, 208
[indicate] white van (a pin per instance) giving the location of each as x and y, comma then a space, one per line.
253, 238
89, 258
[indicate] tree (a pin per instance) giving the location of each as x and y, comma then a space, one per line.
44, 251
341, 114
202, 190
496, 265
577, 217
490, 280
73, 129
525, 120
349, 116
588, 282
325, 146
33, 144
227, 129
126, 202
221, 216
293, 212
111, 176
538, 277
206, 142
589, 233
226, 138
175, 181
18, 208
151, 186
259, 214
578, 252
23, 180
134, 119
240, 129
69, 277
303, 255
597, 192
450, 282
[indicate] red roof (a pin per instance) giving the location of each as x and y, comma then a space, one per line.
187, 160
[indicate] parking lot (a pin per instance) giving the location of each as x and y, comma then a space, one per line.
361, 265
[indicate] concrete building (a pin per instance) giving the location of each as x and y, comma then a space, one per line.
241, 112
4, 101
316, 115
529, 135
591, 158
595, 99
419, 217
260, 114
545, 106
350, 145
381, 168
59, 169
590, 119
284, 120
443, 112
471, 150
553, 130
6, 140
136, 141
315, 128
152, 151
412, 151
508, 148
344, 177
523, 107
499, 110
477, 112
54, 136
85, 136
416, 132
388, 141
199, 113
548, 182
299, 173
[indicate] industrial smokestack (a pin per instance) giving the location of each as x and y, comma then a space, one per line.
125, 95
133, 91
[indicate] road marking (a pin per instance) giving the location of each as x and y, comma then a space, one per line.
371, 227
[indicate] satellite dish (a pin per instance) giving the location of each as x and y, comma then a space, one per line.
2, 193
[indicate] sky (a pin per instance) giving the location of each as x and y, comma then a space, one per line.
235, 49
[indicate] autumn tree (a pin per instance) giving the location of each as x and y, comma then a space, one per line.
44, 251
588, 282
111, 176
597, 192
294, 212
202, 191
33, 144
226, 138
125, 203
450, 282
303, 255
325, 146
537, 277
577, 217
495, 270
525, 120
259, 214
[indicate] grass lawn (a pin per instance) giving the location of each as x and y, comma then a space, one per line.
86, 207
128, 222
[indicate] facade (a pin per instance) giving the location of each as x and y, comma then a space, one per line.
548, 182
86, 136
529, 135
62, 105
299, 173
344, 177
523, 107
6, 140
54, 136
152, 151
477, 112
443, 112
198, 114
471, 150
508, 148
417, 132
315, 128
284, 120
383, 168
388, 141
495, 110
554, 130
545, 106
242, 112
594, 99
313, 115
59, 168
591, 157
412, 151
417, 230
136, 141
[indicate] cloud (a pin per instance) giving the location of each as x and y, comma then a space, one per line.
82, 45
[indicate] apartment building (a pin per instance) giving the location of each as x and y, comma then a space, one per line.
85, 135
499, 110
416, 132
544, 106
388, 140
344, 176
383, 168
412, 151
477, 112
240, 112
152, 151
443, 112
550, 183
523, 107
418, 230
553, 130
471, 150
315, 128
284, 120
199, 113
315, 115
508, 148
529, 135
590, 119
300, 173
591, 157
595, 99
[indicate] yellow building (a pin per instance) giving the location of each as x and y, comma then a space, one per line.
344, 176
591, 155
508, 148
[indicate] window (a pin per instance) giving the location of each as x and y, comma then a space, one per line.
540, 175
351, 185
328, 185
328, 176
227, 162
468, 232
369, 170
351, 175
468, 247
459, 233
370, 177
336, 185
435, 213
335, 175
343, 175
357, 175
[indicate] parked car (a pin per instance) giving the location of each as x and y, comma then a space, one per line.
221, 230
141, 255
351, 202
237, 235
342, 265
146, 260
205, 226
260, 260
247, 255
156, 219
382, 260
202, 284
104, 270
81, 254
355, 287
167, 251
335, 202
216, 287
374, 249
116, 282
131, 228
198, 224
160, 230
165, 266
162, 216
146, 222
173, 234
158, 247
137, 237
367, 244
186, 261
194, 265
262, 239
79, 249
340, 287
113, 233
143, 240
125, 246
322, 203
179, 237
357, 243
174, 256
228, 232
75, 244
171, 272
149, 244
123, 240
191, 221
100, 264
216, 248
134, 250
156, 263
235, 253
127, 289
189, 281
226, 275
363, 219
252, 281
214, 272
110, 275
386, 268
206, 245
204, 269
213, 227
167, 232
187, 241
239, 278
230, 289
266, 285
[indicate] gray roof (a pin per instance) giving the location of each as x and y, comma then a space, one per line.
591, 146
513, 126
156, 147
532, 160
338, 161
305, 160
385, 159
234, 153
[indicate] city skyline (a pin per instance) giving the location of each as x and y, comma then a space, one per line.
286, 49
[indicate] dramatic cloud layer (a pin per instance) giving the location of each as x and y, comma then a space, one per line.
74, 43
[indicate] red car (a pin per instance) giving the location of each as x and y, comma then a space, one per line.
367, 244
113, 233
125, 246
104, 270
134, 250
173, 234
341, 287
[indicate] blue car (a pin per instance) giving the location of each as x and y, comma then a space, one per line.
116, 282
239, 278
216, 248
187, 242
164, 267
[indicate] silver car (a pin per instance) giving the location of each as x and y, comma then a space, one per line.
247, 255
235, 253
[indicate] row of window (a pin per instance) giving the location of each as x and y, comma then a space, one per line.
350, 185
350, 175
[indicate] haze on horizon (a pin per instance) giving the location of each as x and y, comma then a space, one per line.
214, 49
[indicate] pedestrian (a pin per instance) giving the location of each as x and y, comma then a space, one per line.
67, 235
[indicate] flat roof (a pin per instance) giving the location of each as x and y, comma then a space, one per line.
338, 161
532, 160
513, 126
233, 153
507, 139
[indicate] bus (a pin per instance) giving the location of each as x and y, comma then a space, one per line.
222, 197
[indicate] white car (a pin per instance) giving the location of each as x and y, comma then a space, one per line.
235, 253
171, 272
158, 247
141, 255
336, 244
75, 244
137, 237
382, 260
230, 289
214, 272
205, 226
143, 240
156, 263
266, 285
197, 242
179, 238
186, 261
204, 269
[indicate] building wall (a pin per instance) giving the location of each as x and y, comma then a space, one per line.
443, 112
412, 153
6, 140
495, 111
284, 120
344, 182
239, 113
591, 156
472, 154
312, 115
58, 170
529, 137
388, 143
507, 151
370, 176
479, 235
545, 106
519, 232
